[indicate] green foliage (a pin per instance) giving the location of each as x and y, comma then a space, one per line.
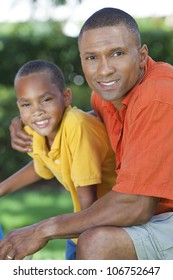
158, 37
81, 97
153, 23
36, 40
160, 45
10, 160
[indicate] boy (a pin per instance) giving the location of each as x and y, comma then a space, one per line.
67, 143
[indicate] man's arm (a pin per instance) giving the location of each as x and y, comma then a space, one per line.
20, 140
113, 209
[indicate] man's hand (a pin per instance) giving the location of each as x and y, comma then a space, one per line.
20, 140
20, 243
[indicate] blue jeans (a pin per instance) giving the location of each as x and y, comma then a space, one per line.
1, 235
70, 250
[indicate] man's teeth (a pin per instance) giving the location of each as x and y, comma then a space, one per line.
42, 122
108, 83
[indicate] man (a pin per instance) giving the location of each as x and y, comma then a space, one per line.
132, 95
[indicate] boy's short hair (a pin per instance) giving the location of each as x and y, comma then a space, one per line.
40, 66
111, 17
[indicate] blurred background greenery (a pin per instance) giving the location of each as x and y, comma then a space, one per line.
20, 42
33, 204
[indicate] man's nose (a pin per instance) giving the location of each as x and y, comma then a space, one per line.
105, 67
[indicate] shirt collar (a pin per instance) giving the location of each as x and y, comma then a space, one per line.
57, 140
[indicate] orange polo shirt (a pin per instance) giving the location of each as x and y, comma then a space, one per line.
141, 135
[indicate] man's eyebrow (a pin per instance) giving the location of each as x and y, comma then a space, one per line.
113, 49
89, 52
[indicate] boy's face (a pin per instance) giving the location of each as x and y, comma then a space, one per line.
41, 104
112, 61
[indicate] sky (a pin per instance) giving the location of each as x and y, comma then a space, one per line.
73, 13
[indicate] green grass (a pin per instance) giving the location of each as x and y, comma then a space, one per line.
32, 205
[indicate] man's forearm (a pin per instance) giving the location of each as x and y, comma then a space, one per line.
113, 209
99, 213
64, 226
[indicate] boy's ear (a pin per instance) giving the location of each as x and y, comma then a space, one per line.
67, 96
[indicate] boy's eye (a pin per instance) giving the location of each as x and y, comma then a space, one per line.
47, 99
25, 105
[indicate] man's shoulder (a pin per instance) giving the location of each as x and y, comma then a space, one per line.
159, 71
156, 88
157, 83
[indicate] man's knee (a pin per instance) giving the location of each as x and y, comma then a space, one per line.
89, 239
105, 243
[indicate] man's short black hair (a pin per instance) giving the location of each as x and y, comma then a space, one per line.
111, 17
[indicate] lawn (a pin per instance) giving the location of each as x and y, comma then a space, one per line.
33, 204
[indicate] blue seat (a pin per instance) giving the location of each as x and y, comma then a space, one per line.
1, 234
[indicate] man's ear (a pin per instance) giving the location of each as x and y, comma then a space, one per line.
67, 96
143, 56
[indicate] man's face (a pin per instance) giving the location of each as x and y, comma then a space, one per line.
112, 61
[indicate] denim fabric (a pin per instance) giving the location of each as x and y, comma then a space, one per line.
70, 250
1, 234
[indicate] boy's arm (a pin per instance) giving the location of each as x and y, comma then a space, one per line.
20, 140
20, 179
87, 195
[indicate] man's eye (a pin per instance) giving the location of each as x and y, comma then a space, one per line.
118, 53
91, 57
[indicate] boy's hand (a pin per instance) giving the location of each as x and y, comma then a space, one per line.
20, 140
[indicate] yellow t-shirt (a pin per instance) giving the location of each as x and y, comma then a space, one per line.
80, 155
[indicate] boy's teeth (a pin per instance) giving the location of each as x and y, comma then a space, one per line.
42, 122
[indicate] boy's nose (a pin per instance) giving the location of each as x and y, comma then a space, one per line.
38, 113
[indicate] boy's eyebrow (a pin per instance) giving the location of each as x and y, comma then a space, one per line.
22, 99
41, 96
